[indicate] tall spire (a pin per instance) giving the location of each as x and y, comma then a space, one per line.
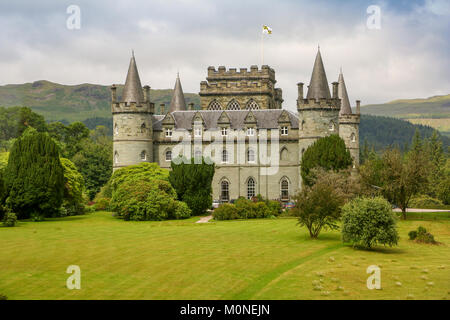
342, 94
318, 86
177, 103
132, 92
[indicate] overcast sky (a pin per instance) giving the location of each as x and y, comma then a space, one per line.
408, 57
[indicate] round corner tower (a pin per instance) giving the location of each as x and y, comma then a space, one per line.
132, 121
319, 112
349, 122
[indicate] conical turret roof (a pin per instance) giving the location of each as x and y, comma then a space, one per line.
318, 86
342, 94
177, 103
132, 92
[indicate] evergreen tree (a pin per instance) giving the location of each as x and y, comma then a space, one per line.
34, 176
328, 153
433, 149
192, 182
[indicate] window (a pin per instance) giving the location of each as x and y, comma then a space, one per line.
250, 188
284, 190
284, 131
252, 105
250, 132
224, 191
214, 105
168, 155
250, 155
224, 132
233, 105
198, 132
168, 132
116, 129
197, 153
143, 155
116, 157
353, 137
284, 154
331, 126
143, 127
224, 156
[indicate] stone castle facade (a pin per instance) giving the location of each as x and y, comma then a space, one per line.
238, 109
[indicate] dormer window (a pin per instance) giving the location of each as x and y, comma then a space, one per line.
224, 132
250, 132
168, 132
284, 131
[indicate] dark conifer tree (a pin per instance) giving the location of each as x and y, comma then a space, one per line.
34, 176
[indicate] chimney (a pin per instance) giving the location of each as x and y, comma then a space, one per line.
146, 94
191, 106
335, 90
162, 108
300, 90
113, 93
358, 106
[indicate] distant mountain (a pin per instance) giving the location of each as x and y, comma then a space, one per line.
73, 103
433, 111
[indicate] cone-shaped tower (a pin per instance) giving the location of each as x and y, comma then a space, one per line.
318, 86
132, 91
177, 103
342, 94
132, 122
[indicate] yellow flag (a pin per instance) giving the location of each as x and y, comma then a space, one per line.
267, 29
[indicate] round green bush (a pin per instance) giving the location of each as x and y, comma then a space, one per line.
101, 204
369, 221
412, 235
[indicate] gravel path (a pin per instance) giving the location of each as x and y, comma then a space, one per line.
205, 219
421, 210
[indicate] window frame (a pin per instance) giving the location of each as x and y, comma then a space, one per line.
168, 152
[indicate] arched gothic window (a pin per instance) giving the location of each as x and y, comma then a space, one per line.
252, 105
233, 105
143, 155
168, 155
143, 127
284, 154
331, 126
284, 188
251, 192
214, 105
352, 137
224, 191
116, 157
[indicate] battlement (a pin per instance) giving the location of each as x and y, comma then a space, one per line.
333, 103
240, 85
349, 118
128, 107
233, 74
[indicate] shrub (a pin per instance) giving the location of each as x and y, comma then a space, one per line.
141, 200
73, 201
421, 235
274, 207
34, 176
145, 171
10, 219
102, 204
412, 235
226, 211
369, 221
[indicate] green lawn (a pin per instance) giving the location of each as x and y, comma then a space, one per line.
254, 259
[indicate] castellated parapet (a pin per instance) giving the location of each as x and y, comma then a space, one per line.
235, 89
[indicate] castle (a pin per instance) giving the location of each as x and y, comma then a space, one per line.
238, 107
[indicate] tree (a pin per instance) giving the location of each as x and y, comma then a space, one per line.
73, 188
94, 161
34, 176
28, 118
433, 148
369, 221
2, 194
328, 153
397, 177
192, 182
318, 207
